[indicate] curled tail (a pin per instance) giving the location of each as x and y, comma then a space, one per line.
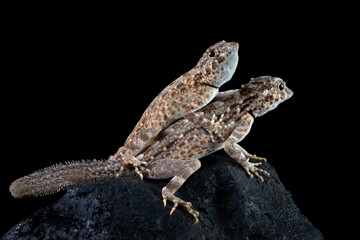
55, 178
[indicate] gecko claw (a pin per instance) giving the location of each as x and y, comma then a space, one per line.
136, 164
221, 118
139, 173
187, 205
174, 207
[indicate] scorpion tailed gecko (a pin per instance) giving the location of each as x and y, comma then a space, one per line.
182, 98
176, 151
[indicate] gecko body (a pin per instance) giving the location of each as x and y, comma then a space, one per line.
182, 98
176, 151
179, 147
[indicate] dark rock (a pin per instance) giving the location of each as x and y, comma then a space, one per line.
231, 206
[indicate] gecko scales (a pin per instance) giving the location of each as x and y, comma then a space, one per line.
182, 98
176, 151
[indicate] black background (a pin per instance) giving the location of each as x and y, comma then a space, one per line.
76, 79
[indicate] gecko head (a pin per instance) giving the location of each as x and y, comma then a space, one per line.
218, 63
265, 94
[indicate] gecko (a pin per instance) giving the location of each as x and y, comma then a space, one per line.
176, 151
182, 98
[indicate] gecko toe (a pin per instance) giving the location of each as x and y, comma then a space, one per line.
174, 207
252, 170
187, 205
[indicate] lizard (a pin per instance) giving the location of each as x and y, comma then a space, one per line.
182, 98
176, 151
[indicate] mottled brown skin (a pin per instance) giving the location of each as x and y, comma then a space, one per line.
176, 151
182, 98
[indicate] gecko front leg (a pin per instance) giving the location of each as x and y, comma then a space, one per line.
215, 125
239, 154
211, 126
235, 151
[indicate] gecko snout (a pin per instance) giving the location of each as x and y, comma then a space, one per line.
234, 45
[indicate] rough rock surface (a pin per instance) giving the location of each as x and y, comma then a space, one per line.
231, 206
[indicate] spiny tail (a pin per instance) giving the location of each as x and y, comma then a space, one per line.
55, 178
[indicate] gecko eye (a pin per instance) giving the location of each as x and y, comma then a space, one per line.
212, 54
281, 86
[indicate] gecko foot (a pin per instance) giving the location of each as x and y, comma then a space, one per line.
217, 126
135, 163
187, 205
251, 169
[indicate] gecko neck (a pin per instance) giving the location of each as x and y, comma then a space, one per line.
213, 86
251, 113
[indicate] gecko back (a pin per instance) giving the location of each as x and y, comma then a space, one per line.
176, 151
188, 93
193, 90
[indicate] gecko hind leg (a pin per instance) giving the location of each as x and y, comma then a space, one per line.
180, 170
140, 142
135, 163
